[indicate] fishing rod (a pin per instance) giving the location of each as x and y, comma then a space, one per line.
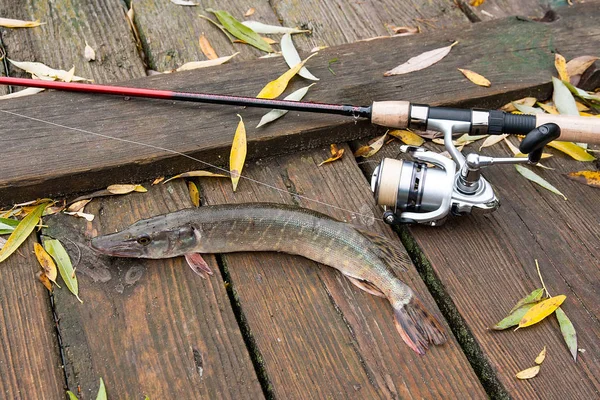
409, 191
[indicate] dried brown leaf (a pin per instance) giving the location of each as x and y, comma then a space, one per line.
370, 149
590, 178
336, 154
250, 11
206, 48
421, 61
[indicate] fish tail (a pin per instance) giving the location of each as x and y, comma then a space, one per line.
417, 326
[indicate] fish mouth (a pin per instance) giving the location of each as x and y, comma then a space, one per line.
105, 245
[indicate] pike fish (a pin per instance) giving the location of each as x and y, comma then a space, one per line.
366, 258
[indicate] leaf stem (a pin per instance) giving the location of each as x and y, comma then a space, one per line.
537, 267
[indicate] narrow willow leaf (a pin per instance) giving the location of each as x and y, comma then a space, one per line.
577, 66
276, 87
404, 30
72, 395
21, 93
265, 29
531, 298
407, 137
63, 262
140, 189
336, 154
568, 331
513, 318
373, 147
237, 156
541, 357
7, 225
527, 109
532, 176
80, 214
476, 3
184, 3
121, 188
526, 101
528, 373
89, 53
194, 194
292, 58
275, 114
206, 63
541, 310
590, 178
582, 93
421, 61
207, 49
563, 99
475, 77
42, 70
17, 23
194, 174
492, 140
570, 148
45, 281
22, 231
240, 31
46, 262
561, 66
102, 390
158, 180
550, 109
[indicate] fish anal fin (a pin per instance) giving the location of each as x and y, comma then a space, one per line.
197, 264
366, 286
391, 252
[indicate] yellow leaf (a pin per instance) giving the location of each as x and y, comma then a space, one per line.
17, 23
528, 373
336, 154
237, 157
550, 109
140, 189
200, 173
121, 189
407, 137
22, 231
250, 11
45, 281
541, 310
541, 357
581, 107
575, 151
475, 77
158, 180
476, 3
276, 87
526, 101
492, 140
561, 66
590, 178
194, 194
46, 262
371, 148
206, 48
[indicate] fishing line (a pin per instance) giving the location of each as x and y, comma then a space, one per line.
371, 217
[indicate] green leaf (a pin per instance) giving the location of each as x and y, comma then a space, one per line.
22, 231
513, 318
527, 109
63, 262
7, 225
532, 297
72, 395
568, 331
101, 391
581, 93
241, 31
532, 176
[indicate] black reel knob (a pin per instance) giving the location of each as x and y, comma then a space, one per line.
534, 142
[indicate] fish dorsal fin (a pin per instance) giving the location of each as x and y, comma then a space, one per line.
366, 286
392, 253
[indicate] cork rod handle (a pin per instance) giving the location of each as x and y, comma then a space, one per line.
573, 128
393, 114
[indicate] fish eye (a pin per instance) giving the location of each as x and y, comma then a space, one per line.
144, 240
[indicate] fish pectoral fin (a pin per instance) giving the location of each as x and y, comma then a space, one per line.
366, 286
391, 252
197, 264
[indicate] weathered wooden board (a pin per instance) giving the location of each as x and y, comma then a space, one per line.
30, 364
318, 335
492, 9
486, 264
60, 42
521, 63
171, 32
147, 327
342, 21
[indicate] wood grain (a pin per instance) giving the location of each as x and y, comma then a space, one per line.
171, 32
147, 327
317, 334
494, 9
520, 64
486, 264
343, 21
30, 364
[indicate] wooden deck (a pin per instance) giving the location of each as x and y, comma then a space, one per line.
273, 325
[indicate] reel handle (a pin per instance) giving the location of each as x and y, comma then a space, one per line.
534, 142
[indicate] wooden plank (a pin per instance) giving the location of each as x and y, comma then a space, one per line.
493, 9
147, 327
520, 64
171, 32
60, 42
318, 335
486, 263
342, 21
30, 364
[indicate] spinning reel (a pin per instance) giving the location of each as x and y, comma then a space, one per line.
414, 192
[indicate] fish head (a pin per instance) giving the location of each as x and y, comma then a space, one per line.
158, 237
